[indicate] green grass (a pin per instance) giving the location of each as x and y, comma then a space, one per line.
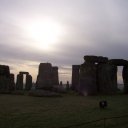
22, 111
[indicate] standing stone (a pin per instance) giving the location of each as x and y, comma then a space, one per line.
44, 78
19, 83
2, 82
107, 78
11, 83
55, 76
28, 82
4, 77
75, 77
4, 71
88, 79
125, 78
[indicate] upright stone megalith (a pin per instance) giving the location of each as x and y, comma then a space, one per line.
87, 84
19, 82
107, 78
28, 82
47, 76
4, 77
55, 76
11, 83
125, 78
75, 77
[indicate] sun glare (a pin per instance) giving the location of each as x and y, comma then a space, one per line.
44, 33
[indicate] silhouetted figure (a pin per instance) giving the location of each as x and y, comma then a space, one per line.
103, 104
61, 83
67, 85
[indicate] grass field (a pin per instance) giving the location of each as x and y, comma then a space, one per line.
22, 111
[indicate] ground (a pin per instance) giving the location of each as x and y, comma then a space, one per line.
22, 111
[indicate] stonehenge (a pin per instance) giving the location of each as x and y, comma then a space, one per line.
98, 75
47, 78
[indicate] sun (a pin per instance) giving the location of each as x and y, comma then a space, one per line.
44, 33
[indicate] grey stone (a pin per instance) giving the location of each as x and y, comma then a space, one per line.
75, 77
5, 79
98, 74
11, 82
44, 78
87, 85
47, 76
90, 59
118, 62
28, 82
95, 59
107, 79
55, 77
19, 82
125, 78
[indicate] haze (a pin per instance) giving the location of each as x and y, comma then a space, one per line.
61, 32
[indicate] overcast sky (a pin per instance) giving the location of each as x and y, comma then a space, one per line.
87, 27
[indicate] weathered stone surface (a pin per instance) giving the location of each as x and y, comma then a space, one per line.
19, 83
4, 71
125, 78
87, 84
90, 59
28, 82
47, 76
5, 80
107, 78
75, 77
101, 59
118, 62
44, 78
99, 73
55, 77
4, 83
95, 59
11, 83
124, 63
22, 73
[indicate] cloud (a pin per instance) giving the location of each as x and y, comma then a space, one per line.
91, 27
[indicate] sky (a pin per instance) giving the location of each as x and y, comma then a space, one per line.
61, 32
